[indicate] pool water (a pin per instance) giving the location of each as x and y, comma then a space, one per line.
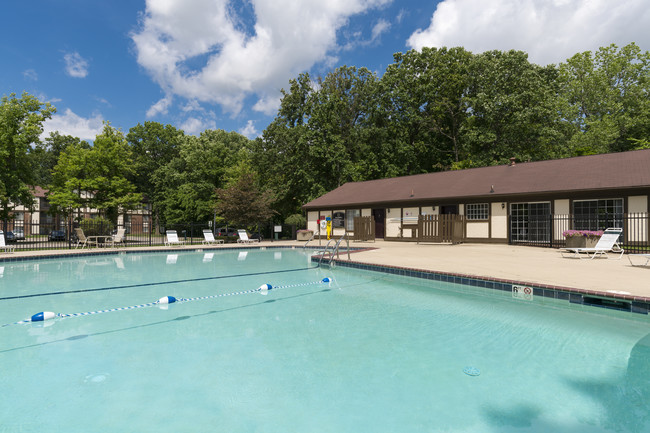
368, 352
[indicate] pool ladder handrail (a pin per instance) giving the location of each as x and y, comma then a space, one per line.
335, 250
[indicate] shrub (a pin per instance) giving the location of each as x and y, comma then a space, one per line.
96, 226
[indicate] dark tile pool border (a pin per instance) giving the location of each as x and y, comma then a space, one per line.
622, 302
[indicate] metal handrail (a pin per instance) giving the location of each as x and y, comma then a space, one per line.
335, 250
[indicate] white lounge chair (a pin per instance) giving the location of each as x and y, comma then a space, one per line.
645, 257
208, 238
243, 237
606, 243
83, 240
4, 246
117, 239
172, 239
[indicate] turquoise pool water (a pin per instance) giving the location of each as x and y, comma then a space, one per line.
368, 352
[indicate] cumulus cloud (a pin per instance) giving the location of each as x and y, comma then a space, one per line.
550, 31
70, 123
75, 65
159, 107
210, 52
196, 125
249, 130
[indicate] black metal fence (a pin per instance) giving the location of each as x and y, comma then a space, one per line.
63, 235
548, 230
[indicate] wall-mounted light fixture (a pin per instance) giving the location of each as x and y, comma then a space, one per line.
503, 205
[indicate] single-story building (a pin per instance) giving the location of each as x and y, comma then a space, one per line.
531, 202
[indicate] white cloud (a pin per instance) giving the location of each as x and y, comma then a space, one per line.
249, 130
30, 74
200, 49
380, 28
70, 123
75, 65
195, 125
550, 31
159, 107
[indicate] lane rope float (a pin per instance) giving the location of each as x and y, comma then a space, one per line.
165, 300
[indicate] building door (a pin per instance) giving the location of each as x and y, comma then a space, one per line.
379, 215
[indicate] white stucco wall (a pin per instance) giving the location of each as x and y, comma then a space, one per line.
478, 229
312, 217
637, 207
636, 204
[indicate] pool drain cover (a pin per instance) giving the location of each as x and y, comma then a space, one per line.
471, 371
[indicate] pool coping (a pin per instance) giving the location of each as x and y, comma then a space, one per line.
632, 303
637, 304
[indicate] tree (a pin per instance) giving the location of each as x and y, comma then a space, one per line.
45, 157
153, 146
243, 203
425, 98
96, 177
185, 186
515, 110
607, 96
21, 124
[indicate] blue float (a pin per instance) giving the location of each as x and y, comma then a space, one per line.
327, 280
42, 316
167, 300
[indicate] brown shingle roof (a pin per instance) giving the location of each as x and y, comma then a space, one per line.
585, 173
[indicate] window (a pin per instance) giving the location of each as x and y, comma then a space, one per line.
476, 211
350, 214
597, 214
530, 222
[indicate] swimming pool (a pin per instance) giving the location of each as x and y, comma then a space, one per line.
368, 352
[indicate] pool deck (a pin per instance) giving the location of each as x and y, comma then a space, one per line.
544, 267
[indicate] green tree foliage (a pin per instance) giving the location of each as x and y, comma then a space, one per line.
21, 124
244, 203
515, 110
45, 157
96, 177
607, 96
185, 186
153, 146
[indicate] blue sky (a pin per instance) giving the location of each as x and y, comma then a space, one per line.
219, 64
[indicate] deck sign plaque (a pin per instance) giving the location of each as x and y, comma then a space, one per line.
524, 293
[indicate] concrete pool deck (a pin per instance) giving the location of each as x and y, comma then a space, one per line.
531, 265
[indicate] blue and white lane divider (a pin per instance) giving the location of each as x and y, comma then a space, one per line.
165, 300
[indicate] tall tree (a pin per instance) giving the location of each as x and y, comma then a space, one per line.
45, 157
21, 124
186, 185
96, 177
244, 203
514, 109
424, 94
607, 93
153, 146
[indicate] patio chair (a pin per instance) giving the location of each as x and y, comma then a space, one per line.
208, 238
243, 237
606, 243
83, 240
4, 246
172, 239
118, 238
645, 257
